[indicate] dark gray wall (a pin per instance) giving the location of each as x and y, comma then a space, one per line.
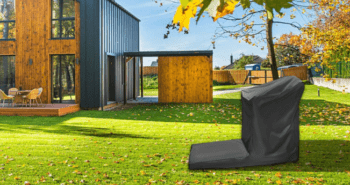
89, 51
120, 34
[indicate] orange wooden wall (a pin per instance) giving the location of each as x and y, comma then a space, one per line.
187, 79
33, 34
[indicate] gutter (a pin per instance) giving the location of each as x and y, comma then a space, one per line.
101, 55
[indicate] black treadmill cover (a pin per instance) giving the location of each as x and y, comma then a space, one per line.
270, 129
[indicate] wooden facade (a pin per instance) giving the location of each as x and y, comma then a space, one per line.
33, 41
185, 79
47, 110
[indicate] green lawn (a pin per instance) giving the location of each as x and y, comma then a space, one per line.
154, 92
151, 144
227, 87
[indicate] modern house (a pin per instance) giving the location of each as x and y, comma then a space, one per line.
154, 63
73, 49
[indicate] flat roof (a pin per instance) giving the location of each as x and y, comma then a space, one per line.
169, 53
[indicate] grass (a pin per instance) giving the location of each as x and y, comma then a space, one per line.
149, 144
228, 87
150, 82
154, 92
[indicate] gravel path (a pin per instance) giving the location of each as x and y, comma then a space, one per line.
230, 91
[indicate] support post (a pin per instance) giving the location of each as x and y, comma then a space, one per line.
134, 78
125, 79
250, 77
141, 76
265, 76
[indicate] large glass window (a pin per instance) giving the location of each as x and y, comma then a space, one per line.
7, 72
63, 19
7, 19
63, 78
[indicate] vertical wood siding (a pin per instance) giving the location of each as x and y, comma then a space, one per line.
33, 33
186, 79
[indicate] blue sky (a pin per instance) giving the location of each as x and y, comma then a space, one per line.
154, 20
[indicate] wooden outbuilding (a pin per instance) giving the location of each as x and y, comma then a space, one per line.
183, 76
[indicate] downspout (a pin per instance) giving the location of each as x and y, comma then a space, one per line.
101, 55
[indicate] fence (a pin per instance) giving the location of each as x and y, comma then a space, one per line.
256, 77
238, 76
341, 70
149, 70
230, 76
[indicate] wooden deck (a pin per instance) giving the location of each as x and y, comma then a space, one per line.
41, 110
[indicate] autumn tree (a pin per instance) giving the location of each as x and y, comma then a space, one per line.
244, 28
327, 39
287, 52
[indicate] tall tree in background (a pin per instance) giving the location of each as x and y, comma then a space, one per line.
288, 53
244, 60
220, 9
327, 39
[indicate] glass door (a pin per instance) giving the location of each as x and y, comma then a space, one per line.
63, 78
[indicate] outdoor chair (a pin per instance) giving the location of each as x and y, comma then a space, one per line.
33, 95
4, 97
39, 94
270, 129
12, 92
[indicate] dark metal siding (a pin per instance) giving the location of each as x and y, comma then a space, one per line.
89, 51
121, 34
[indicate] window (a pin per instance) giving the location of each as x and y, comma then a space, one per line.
7, 72
63, 19
7, 19
63, 78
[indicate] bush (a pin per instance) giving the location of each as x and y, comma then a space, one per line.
215, 83
150, 82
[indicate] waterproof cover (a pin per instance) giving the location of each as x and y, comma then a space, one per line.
270, 129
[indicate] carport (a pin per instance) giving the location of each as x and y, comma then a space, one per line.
184, 76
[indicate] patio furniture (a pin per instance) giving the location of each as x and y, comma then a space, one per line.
12, 91
39, 94
270, 129
19, 96
33, 95
4, 97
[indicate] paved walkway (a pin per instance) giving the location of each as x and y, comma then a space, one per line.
154, 99
230, 91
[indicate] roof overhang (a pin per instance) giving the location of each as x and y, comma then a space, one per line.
168, 53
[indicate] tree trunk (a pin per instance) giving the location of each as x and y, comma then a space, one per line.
270, 47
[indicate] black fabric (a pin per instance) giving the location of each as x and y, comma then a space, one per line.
270, 129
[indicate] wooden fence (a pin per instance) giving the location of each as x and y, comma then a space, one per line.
149, 70
256, 77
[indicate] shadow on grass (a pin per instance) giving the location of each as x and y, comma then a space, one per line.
314, 156
86, 131
221, 111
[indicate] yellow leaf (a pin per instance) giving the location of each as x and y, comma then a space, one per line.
183, 16
228, 8
278, 174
